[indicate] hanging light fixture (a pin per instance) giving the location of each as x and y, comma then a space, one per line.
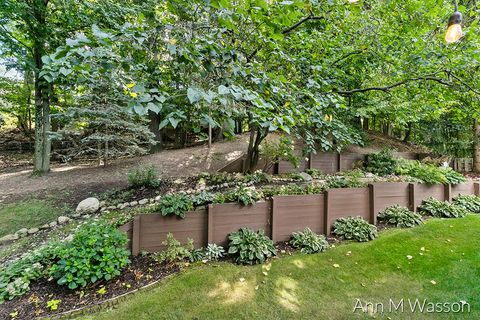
454, 32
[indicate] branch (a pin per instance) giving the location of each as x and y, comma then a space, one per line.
302, 21
14, 38
347, 55
465, 84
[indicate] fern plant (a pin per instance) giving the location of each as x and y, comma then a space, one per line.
400, 217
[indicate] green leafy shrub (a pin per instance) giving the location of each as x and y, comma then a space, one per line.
350, 179
244, 195
314, 173
15, 277
470, 203
220, 177
400, 216
174, 250
214, 252
250, 247
196, 255
273, 152
143, 177
382, 163
308, 241
97, 252
452, 176
354, 228
177, 204
428, 173
257, 177
293, 189
441, 209
202, 198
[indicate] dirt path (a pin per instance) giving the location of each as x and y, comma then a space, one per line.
77, 182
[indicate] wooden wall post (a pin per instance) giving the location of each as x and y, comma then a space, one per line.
373, 214
476, 188
339, 162
310, 157
272, 221
411, 197
210, 223
448, 192
326, 210
136, 236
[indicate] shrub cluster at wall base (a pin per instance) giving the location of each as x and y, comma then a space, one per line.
96, 252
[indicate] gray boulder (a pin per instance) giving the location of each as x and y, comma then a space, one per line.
305, 176
8, 238
89, 205
63, 219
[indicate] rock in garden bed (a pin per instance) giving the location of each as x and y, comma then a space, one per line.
142, 271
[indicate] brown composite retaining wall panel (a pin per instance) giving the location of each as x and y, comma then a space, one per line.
282, 215
285, 166
155, 227
347, 202
390, 193
230, 217
294, 213
424, 191
350, 160
465, 188
325, 162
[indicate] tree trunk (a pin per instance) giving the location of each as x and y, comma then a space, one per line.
476, 148
41, 164
253, 154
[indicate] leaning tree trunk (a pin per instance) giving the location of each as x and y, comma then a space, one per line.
253, 153
476, 148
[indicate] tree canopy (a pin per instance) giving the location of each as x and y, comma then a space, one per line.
318, 70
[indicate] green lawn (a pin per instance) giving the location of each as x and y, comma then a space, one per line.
26, 214
311, 287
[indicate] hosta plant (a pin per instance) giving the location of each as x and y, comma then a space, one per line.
354, 228
250, 247
470, 203
400, 217
308, 241
214, 252
97, 252
441, 209
243, 195
175, 204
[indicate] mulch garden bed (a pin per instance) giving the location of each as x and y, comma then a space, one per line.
142, 271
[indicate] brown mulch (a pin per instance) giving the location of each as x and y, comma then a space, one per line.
142, 271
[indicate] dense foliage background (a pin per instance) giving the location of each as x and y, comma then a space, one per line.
323, 71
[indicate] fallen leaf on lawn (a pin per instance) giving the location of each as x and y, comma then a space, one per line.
256, 288
241, 279
421, 253
448, 240
336, 265
349, 253
332, 246
265, 273
422, 248
363, 284
409, 257
433, 282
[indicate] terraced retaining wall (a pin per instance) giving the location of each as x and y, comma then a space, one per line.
282, 215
